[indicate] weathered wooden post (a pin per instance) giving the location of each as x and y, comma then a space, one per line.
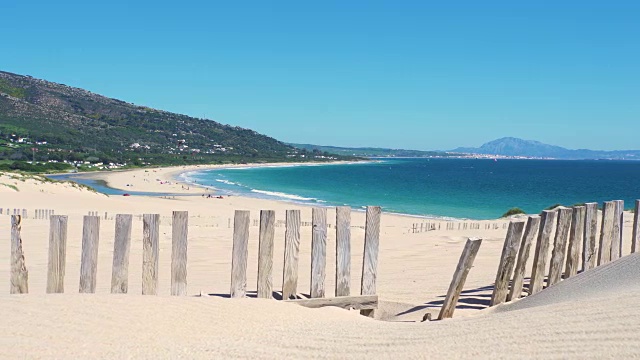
150, 253
547, 220
89, 265
265, 254
121, 248
589, 255
240, 250
343, 251
560, 245
459, 277
616, 234
291, 250
179, 234
575, 241
318, 252
19, 273
621, 209
635, 236
370, 257
507, 262
57, 254
533, 222
607, 232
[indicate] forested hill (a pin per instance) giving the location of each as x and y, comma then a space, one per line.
64, 123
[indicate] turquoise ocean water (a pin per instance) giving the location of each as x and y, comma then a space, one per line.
458, 188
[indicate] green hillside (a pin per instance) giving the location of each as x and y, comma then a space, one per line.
50, 122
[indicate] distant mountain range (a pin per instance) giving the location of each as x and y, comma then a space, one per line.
507, 146
510, 146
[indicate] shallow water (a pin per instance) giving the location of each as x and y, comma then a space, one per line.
459, 188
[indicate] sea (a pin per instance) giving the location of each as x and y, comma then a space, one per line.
435, 188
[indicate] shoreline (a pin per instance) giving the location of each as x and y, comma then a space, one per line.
172, 176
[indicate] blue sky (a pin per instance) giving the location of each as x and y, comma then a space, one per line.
402, 74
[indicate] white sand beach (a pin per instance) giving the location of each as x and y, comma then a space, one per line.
593, 315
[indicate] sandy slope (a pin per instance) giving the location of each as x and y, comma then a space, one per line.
591, 321
592, 315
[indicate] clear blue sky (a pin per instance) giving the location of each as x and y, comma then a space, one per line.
403, 74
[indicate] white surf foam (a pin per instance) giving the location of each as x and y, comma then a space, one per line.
283, 195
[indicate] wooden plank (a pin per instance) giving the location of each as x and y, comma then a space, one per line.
616, 233
57, 253
533, 222
575, 241
291, 250
621, 208
370, 257
19, 273
459, 277
547, 221
507, 262
635, 235
89, 264
121, 249
265, 254
150, 253
343, 251
241, 224
560, 245
606, 232
179, 236
589, 254
318, 251
363, 302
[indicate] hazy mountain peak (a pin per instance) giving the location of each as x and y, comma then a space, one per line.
511, 146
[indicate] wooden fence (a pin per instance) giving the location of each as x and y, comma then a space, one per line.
37, 213
366, 301
418, 228
211, 221
578, 245
574, 249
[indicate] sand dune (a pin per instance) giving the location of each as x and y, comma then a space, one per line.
594, 320
593, 315
618, 277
